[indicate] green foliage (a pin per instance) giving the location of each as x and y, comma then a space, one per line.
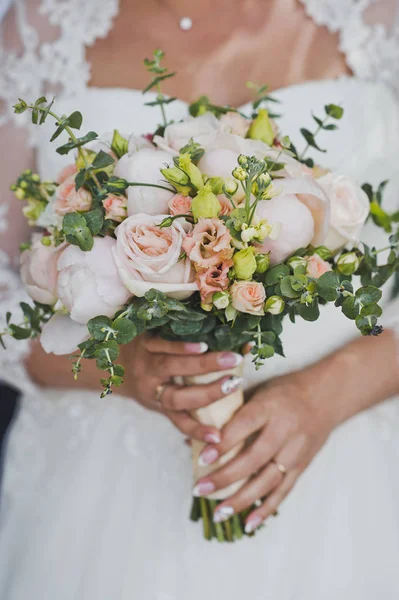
34, 317
77, 231
161, 73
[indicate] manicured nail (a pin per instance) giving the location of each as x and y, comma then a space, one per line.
196, 348
229, 359
213, 438
208, 457
223, 513
203, 488
231, 385
253, 524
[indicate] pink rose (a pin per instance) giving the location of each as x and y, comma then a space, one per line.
88, 283
115, 207
148, 256
235, 123
39, 271
208, 245
226, 206
302, 210
67, 199
248, 297
67, 172
317, 266
215, 279
179, 205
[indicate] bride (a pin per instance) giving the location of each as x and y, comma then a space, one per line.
96, 493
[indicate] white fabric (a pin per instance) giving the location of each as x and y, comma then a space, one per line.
97, 492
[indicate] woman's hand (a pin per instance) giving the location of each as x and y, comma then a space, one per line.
290, 418
151, 363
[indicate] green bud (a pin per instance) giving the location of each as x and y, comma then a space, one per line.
245, 263
167, 222
230, 187
193, 172
216, 184
242, 160
24, 246
179, 179
46, 240
206, 307
24, 184
221, 300
240, 174
20, 194
323, 252
119, 144
33, 210
348, 263
230, 313
35, 177
205, 204
274, 305
297, 261
262, 263
261, 128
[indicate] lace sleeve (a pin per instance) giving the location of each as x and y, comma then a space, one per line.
369, 35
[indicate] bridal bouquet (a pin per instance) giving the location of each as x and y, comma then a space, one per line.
213, 229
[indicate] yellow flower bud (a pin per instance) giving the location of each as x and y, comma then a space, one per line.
242, 160
178, 179
205, 204
261, 128
191, 170
245, 263
230, 187
217, 185
46, 241
20, 194
240, 174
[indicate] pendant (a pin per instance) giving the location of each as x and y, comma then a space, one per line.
186, 23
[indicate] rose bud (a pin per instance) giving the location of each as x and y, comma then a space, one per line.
221, 300
274, 305
262, 263
205, 204
245, 263
348, 263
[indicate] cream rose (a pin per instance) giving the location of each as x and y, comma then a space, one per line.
67, 199
350, 208
115, 207
248, 297
179, 205
88, 283
39, 271
316, 266
302, 211
145, 166
148, 256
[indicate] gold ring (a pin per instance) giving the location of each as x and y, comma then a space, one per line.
159, 390
280, 467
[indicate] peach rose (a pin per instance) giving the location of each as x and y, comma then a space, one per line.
248, 297
67, 172
226, 205
235, 123
148, 256
39, 271
115, 207
214, 279
208, 245
179, 205
317, 266
67, 199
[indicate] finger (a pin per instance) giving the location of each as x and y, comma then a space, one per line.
272, 502
247, 421
157, 345
247, 463
167, 366
180, 397
191, 428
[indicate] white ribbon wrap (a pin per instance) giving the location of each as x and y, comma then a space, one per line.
216, 414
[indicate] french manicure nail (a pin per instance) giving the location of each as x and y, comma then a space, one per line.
212, 438
208, 457
253, 524
230, 359
230, 385
223, 513
196, 348
203, 488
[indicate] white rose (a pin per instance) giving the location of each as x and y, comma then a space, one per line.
148, 256
39, 270
202, 129
350, 208
88, 283
145, 166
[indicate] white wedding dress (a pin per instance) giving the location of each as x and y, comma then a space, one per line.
96, 493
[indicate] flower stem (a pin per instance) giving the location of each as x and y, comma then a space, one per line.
161, 187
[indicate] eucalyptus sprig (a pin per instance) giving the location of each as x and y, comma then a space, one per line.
34, 317
262, 98
161, 73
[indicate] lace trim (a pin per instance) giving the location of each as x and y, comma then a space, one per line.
371, 51
57, 65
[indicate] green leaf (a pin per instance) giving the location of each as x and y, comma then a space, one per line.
276, 274
308, 312
350, 308
66, 148
368, 295
126, 331
109, 348
94, 219
310, 139
287, 289
20, 333
327, 286
265, 351
75, 120
77, 232
183, 327
157, 80
334, 111
46, 111
80, 179
119, 144
99, 327
372, 310
102, 160
366, 324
